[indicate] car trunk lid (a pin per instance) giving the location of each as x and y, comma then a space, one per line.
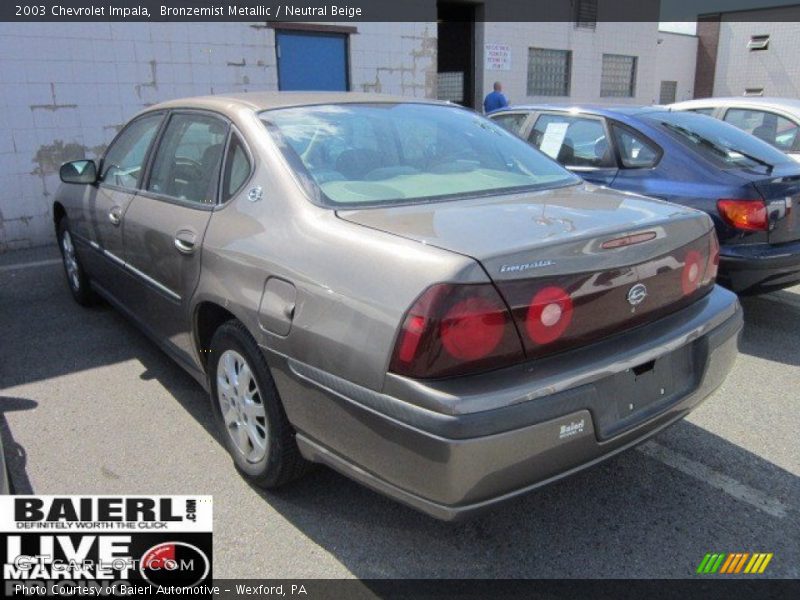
553, 231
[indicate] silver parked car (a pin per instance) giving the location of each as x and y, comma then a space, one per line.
774, 120
401, 290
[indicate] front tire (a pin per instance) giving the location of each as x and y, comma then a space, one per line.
77, 280
248, 410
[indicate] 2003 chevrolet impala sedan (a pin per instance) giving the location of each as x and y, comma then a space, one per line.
398, 289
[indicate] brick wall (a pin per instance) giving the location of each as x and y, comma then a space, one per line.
68, 88
707, 49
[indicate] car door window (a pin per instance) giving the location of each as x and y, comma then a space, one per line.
573, 141
511, 121
767, 126
186, 165
237, 168
124, 160
634, 150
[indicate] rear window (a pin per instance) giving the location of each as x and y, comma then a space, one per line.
721, 143
376, 154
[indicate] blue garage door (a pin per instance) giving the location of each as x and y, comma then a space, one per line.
312, 61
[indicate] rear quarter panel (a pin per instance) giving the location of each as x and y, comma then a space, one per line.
354, 284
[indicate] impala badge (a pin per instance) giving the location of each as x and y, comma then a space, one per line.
255, 193
637, 294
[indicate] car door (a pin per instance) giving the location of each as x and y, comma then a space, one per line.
579, 142
165, 223
106, 204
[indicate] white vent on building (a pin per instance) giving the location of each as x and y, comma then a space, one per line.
758, 42
754, 91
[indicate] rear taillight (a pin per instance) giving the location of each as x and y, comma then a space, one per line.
549, 314
749, 215
713, 259
694, 266
454, 329
700, 265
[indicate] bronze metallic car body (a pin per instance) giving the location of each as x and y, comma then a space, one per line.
325, 292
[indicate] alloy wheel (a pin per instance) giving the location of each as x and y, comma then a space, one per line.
70, 261
242, 406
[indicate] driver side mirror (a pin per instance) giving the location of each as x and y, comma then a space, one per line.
78, 171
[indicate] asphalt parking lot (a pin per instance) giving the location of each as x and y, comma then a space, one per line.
89, 405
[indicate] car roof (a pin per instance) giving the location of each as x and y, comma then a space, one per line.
790, 104
591, 109
258, 101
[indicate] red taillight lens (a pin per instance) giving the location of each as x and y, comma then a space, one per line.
693, 269
456, 329
472, 328
549, 314
750, 215
713, 259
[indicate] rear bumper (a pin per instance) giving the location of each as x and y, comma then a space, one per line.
454, 447
752, 268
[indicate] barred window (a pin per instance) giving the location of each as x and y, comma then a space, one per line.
669, 90
619, 76
585, 14
548, 72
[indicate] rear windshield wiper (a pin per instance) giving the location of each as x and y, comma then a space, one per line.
726, 152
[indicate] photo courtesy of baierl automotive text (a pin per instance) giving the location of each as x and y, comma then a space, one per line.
432, 299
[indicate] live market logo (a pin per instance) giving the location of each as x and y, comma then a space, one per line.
117, 545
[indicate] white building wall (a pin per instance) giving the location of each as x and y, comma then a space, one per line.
588, 46
776, 69
676, 60
66, 89
394, 58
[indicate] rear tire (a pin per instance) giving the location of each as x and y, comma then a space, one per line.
248, 410
77, 280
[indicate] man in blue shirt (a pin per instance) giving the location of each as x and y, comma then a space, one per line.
495, 100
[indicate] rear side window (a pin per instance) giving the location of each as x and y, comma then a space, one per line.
187, 162
635, 151
122, 164
767, 126
237, 168
573, 141
511, 121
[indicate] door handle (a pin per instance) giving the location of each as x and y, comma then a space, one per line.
185, 242
115, 216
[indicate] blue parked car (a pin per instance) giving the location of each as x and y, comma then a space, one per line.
750, 189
